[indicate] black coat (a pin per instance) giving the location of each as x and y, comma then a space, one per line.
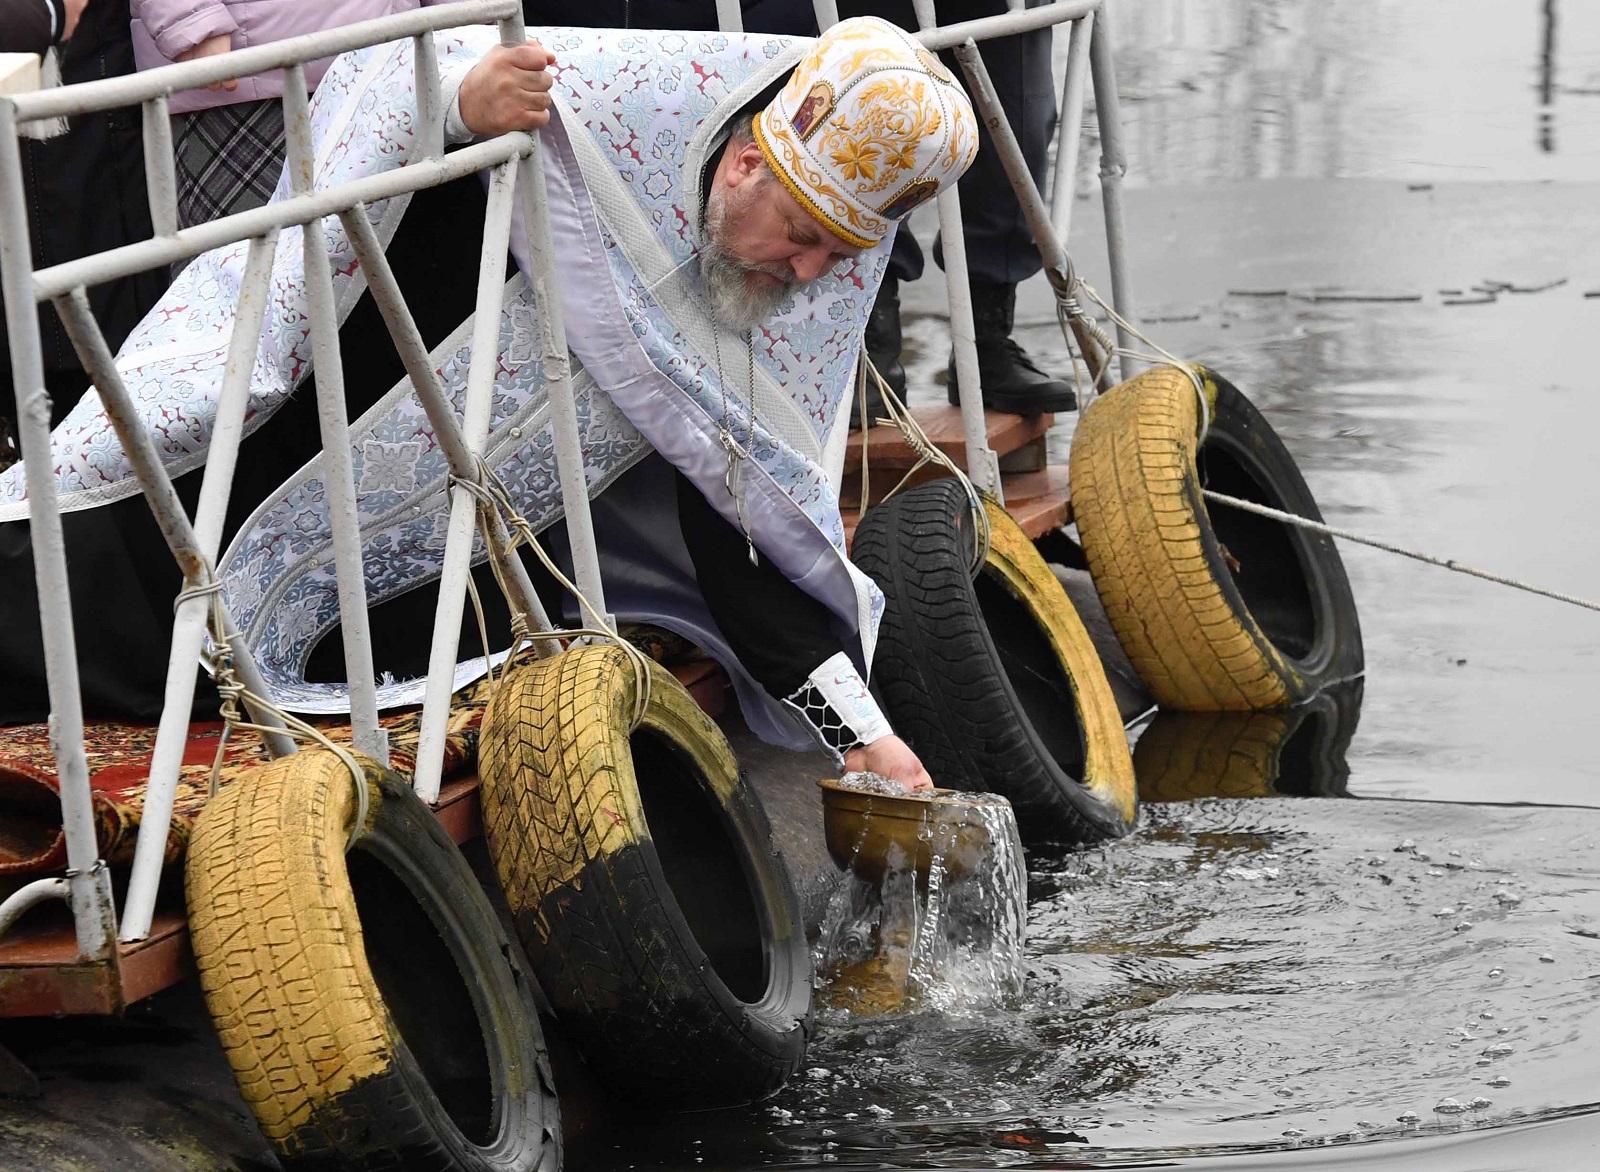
86, 193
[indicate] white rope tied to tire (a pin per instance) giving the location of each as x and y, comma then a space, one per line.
219, 662
1389, 547
927, 453
492, 494
1067, 307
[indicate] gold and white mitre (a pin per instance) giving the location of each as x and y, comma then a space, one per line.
870, 125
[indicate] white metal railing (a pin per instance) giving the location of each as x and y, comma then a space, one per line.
516, 166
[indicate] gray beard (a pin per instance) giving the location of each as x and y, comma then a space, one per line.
734, 303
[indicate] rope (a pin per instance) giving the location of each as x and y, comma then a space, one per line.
927, 453
492, 494
1446, 563
219, 662
1068, 309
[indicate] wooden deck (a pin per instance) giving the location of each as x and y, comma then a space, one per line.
1035, 490
41, 974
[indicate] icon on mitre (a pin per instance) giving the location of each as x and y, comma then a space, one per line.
816, 107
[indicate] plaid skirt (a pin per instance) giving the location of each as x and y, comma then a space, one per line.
228, 159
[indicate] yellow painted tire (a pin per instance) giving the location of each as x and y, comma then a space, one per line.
994, 681
1219, 609
644, 884
367, 1002
1296, 751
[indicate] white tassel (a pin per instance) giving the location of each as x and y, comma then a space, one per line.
49, 78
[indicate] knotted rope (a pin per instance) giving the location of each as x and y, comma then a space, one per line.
493, 495
927, 453
219, 662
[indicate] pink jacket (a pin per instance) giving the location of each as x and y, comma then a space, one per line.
164, 28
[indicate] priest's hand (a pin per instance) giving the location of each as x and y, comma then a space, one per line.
508, 90
892, 758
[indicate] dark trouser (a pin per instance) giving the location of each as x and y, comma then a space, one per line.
1000, 249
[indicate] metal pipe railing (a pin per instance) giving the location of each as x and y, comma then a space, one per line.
1058, 269
463, 503
730, 17
1113, 166
191, 242
519, 164
194, 547
31, 895
546, 285
425, 380
134, 89
983, 466
89, 886
160, 167
338, 470
1006, 24
1069, 127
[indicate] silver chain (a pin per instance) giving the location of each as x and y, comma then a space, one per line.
731, 478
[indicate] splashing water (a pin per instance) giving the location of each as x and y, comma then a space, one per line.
947, 939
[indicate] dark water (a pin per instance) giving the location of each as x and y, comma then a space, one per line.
1309, 978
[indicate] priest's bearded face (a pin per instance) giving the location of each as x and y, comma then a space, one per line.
760, 243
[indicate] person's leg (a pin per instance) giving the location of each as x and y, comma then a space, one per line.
1000, 248
1001, 251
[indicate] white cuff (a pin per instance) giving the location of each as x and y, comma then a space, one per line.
835, 702
450, 79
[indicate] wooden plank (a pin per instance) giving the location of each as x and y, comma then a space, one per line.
159, 960
458, 809
706, 682
1039, 501
942, 423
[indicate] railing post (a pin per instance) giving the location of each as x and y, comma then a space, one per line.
338, 479
485, 361
1052, 250
558, 367
88, 881
194, 547
160, 167
983, 466
1069, 129
1113, 166
730, 17
425, 380
430, 99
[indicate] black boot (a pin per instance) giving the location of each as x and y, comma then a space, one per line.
1012, 382
882, 342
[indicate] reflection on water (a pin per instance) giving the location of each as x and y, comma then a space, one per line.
1182, 756
1258, 89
